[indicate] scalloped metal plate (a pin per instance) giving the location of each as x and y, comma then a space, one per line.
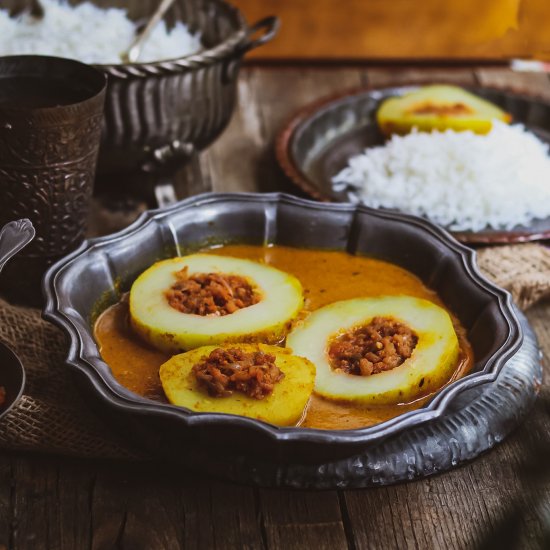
420, 246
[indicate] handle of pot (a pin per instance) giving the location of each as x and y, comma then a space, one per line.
269, 26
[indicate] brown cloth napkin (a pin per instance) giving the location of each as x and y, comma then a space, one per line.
51, 416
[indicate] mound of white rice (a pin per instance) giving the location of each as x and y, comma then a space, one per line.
461, 180
89, 34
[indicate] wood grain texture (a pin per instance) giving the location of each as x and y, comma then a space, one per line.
50, 504
134, 509
6, 479
395, 77
243, 159
54, 502
220, 515
532, 83
302, 519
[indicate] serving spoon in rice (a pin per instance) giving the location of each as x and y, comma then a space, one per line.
131, 55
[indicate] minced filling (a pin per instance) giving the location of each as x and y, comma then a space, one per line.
381, 345
2, 395
210, 293
227, 370
441, 109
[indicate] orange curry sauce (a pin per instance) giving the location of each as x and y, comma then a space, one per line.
326, 277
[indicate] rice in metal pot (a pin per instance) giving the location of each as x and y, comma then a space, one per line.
90, 34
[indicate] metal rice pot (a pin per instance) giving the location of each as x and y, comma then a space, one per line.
158, 115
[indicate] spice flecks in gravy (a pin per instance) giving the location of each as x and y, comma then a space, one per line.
326, 277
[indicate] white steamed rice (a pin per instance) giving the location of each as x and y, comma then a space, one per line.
461, 180
89, 34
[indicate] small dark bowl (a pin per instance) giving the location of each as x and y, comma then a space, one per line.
12, 378
101, 269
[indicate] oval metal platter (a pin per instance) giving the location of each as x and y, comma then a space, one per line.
318, 141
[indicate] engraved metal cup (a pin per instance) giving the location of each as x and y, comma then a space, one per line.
51, 112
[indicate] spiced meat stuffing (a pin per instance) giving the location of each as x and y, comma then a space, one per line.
225, 371
381, 345
210, 293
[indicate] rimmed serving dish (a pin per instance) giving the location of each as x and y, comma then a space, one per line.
102, 269
318, 140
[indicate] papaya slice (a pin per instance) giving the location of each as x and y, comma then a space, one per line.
438, 107
283, 407
428, 368
277, 299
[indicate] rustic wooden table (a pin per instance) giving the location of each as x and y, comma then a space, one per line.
55, 502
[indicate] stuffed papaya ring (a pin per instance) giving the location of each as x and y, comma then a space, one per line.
439, 107
201, 299
254, 380
385, 350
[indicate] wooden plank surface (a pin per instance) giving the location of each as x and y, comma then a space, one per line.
243, 158
54, 502
302, 519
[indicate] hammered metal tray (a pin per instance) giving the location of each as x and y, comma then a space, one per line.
109, 265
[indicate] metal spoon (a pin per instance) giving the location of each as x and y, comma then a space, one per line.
131, 55
13, 237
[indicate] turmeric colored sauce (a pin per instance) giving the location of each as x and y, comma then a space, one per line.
134, 363
326, 277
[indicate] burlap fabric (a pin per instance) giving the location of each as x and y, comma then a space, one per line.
52, 417
524, 270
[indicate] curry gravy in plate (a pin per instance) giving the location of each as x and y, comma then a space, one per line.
326, 277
